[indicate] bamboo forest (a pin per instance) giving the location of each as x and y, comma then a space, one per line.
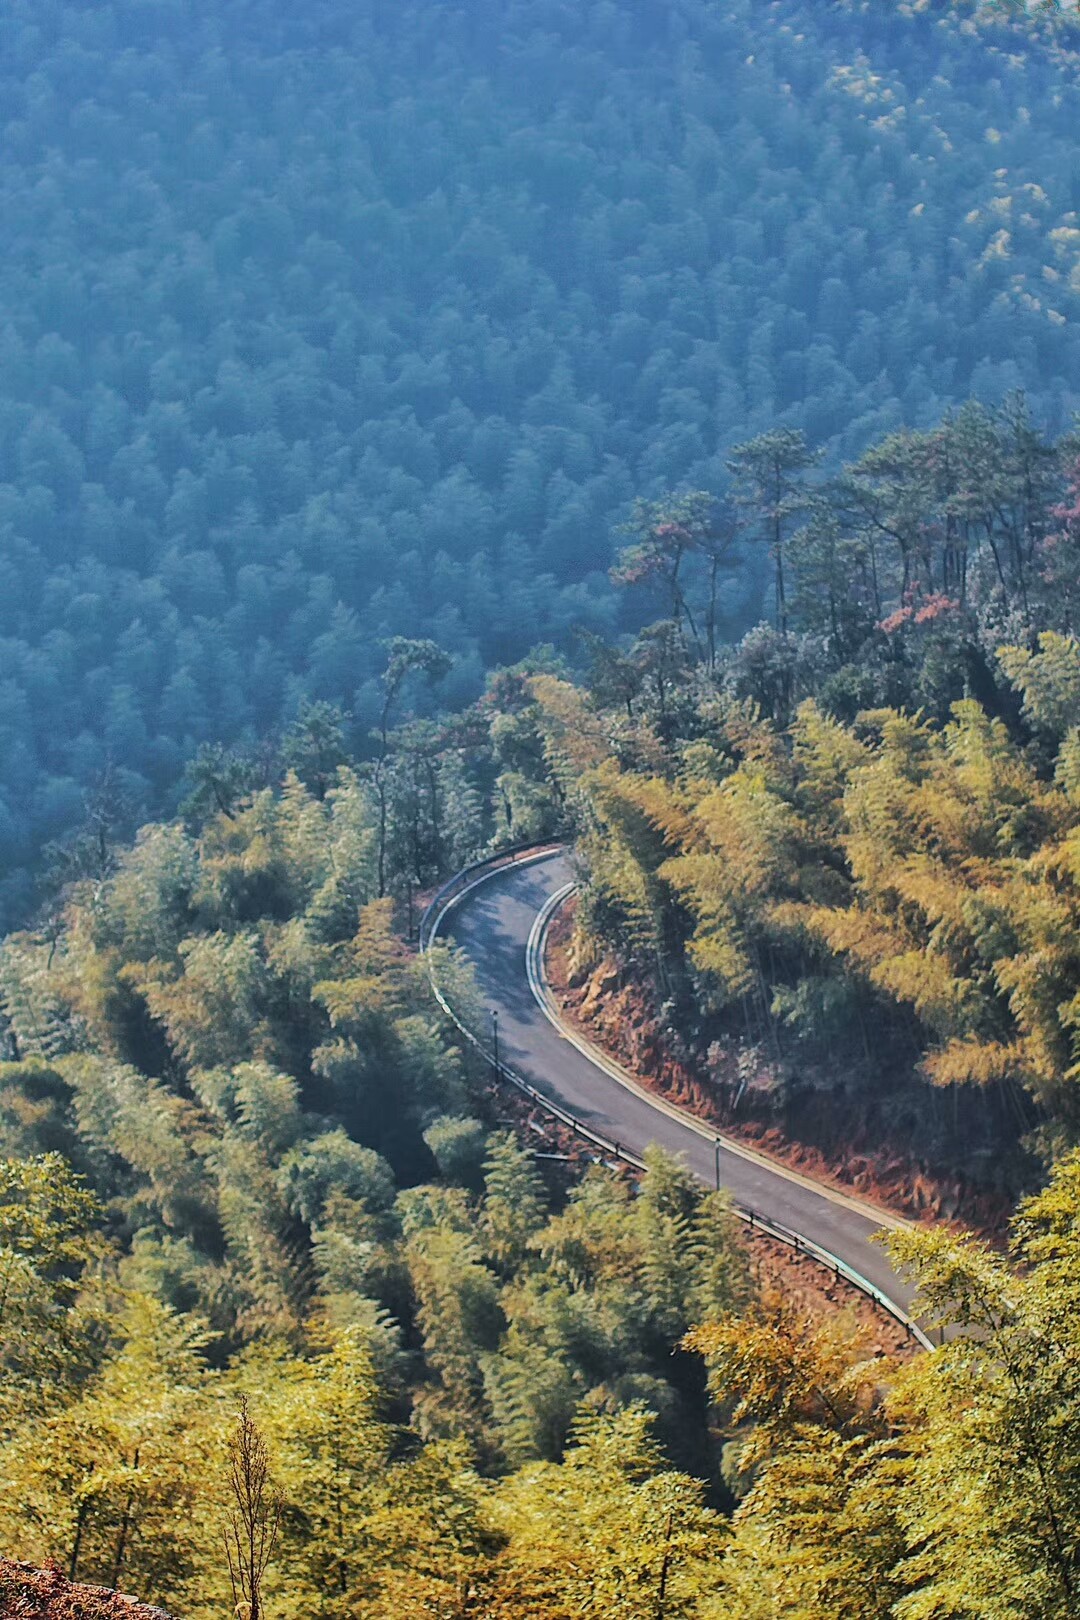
540, 810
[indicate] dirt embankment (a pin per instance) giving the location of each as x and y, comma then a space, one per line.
27, 1593
613, 1012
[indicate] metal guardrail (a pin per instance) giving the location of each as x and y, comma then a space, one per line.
442, 904
453, 889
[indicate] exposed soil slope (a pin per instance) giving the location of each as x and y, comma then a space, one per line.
614, 1012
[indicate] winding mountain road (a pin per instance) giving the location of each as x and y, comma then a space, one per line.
493, 921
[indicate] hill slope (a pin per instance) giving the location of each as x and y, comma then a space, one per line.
324, 325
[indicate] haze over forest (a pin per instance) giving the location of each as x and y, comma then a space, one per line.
644, 432
322, 325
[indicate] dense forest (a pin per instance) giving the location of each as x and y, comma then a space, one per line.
330, 324
842, 853
255, 1203
259, 1223
431, 428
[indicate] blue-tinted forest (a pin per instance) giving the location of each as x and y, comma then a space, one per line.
324, 324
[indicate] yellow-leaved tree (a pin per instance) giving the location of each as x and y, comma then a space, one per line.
613, 1530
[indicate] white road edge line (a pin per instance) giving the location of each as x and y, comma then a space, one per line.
541, 991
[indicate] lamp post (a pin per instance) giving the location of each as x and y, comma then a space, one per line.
495, 1037
716, 1161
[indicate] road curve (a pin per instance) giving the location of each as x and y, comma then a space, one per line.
492, 922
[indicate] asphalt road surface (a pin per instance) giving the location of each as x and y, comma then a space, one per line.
492, 923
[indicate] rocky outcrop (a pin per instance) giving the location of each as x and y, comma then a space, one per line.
27, 1593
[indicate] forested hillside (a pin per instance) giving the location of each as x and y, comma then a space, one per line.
292, 1186
838, 852
840, 857
270, 1261
330, 323
430, 427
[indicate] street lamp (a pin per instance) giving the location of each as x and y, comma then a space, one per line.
495, 1036
716, 1156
